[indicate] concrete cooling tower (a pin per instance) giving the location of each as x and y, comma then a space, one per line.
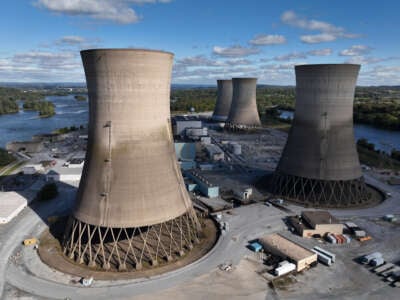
243, 112
132, 205
319, 165
224, 99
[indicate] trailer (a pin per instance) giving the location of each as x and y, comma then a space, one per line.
284, 268
394, 276
390, 271
383, 268
322, 258
326, 253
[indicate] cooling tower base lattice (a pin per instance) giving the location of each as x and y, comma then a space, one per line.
321, 193
127, 249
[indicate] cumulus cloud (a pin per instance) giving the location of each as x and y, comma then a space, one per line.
119, 11
303, 55
290, 56
42, 66
355, 50
328, 32
270, 39
320, 52
234, 51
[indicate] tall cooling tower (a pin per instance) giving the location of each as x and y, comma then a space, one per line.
319, 164
243, 112
132, 205
224, 99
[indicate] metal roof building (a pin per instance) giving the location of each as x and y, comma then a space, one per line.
132, 196
286, 249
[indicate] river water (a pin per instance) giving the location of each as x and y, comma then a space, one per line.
23, 125
70, 112
385, 140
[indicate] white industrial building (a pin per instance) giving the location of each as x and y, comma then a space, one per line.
11, 203
32, 169
67, 175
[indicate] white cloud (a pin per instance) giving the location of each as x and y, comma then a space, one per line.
318, 38
328, 32
320, 52
119, 11
270, 39
355, 50
71, 40
42, 66
290, 56
234, 51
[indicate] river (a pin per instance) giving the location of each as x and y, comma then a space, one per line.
70, 112
23, 125
385, 140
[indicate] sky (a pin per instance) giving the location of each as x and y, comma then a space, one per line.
211, 39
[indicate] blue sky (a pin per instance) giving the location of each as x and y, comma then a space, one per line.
215, 39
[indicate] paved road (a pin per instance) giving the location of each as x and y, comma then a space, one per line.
247, 223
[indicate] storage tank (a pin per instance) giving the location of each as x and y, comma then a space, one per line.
243, 112
132, 197
319, 165
224, 99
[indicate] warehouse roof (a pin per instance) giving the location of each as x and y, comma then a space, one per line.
319, 217
285, 246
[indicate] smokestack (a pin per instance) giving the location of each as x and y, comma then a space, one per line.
132, 194
320, 164
224, 99
243, 112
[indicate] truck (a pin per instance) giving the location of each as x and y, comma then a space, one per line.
376, 262
366, 259
30, 242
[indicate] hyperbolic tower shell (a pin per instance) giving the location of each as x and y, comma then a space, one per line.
132, 193
243, 110
224, 100
319, 164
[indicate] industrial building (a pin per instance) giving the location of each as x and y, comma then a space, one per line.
319, 165
132, 197
181, 123
185, 153
214, 152
280, 246
316, 223
202, 184
224, 100
243, 113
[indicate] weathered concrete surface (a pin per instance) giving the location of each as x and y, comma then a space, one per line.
224, 100
244, 107
321, 141
131, 177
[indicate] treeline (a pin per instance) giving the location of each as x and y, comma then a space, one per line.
5, 157
363, 143
9, 97
200, 99
44, 108
385, 115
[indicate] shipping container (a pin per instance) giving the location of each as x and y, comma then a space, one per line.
389, 272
